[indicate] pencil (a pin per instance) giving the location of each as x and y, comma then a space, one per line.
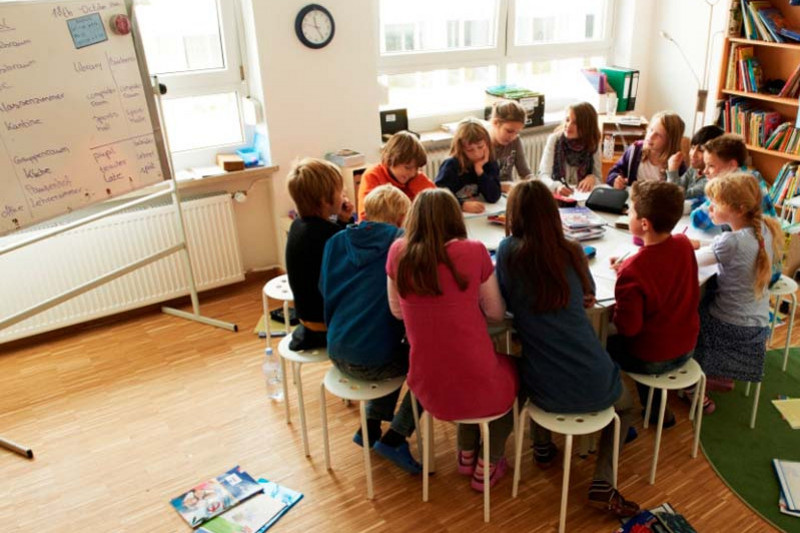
685, 229
621, 259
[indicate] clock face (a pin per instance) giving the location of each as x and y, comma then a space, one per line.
314, 26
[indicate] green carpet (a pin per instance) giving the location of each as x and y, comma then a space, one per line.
743, 457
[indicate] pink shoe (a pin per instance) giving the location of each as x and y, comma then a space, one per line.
497, 470
466, 466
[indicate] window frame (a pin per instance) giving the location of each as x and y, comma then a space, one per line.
503, 54
229, 78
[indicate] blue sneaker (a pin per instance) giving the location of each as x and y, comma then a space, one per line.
399, 455
359, 439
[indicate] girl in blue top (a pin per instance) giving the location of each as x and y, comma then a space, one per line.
546, 283
472, 172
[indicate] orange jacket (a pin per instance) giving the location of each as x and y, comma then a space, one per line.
379, 174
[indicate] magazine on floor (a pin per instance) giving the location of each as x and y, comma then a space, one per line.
215, 496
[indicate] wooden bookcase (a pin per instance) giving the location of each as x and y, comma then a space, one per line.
778, 61
623, 135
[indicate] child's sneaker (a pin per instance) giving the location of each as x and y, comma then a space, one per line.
466, 462
609, 499
399, 455
544, 455
496, 471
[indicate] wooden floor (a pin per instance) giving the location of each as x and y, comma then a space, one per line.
126, 413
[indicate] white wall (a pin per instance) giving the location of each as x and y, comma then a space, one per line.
672, 85
319, 100
315, 100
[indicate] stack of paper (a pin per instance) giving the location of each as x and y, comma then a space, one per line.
581, 223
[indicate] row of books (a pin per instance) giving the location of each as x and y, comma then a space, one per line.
755, 124
761, 21
785, 138
788, 474
791, 89
744, 70
234, 502
786, 184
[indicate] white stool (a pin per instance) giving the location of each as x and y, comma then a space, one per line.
350, 388
278, 289
686, 376
298, 359
427, 450
568, 425
783, 288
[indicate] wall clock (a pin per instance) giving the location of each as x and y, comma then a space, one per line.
314, 26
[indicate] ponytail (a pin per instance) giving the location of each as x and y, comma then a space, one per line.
763, 265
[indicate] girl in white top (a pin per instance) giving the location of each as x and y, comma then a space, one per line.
571, 157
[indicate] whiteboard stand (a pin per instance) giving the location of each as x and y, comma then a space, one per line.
16, 448
187, 260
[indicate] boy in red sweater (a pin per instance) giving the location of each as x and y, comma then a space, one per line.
657, 291
401, 159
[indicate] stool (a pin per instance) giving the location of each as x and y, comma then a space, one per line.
568, 425
782, 288
278, 289
350, 388
427, 451
687, 375
298, 359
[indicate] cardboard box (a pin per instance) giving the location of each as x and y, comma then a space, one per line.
230, 162
532, 102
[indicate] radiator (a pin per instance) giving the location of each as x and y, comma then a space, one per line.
532, 143
33, 274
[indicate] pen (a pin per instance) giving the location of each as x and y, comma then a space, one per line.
685, 229
621, 259
564, 183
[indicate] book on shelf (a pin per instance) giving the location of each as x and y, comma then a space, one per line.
774, 21
788, 473
786, 185
789, 408
735, 20
256, 514
790, 88
791, 33
215, 496
748, 24
755, 7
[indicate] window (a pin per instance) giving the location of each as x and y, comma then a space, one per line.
193, 47
437, 58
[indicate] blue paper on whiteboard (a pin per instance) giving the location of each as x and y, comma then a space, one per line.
87, 30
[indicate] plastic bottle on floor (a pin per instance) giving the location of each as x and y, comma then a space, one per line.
272, 376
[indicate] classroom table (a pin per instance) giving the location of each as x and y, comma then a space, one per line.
614, 243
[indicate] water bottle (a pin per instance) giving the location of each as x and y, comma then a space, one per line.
608, 147
272, 376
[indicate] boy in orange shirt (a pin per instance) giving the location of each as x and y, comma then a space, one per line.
401, 159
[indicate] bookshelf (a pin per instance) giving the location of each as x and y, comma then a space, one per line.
623, 135
777, 61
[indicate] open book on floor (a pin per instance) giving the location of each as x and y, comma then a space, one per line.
215, 496
788, 473
257, 514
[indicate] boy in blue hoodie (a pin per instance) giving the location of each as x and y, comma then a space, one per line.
364, 339
721, 155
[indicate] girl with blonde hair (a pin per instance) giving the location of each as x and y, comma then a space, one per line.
734, 319
651, 158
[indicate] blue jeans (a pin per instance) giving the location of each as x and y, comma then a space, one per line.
383, 408
630, 363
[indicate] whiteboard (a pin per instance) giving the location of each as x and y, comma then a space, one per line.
76, 119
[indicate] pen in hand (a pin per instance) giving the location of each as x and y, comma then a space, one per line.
619, 260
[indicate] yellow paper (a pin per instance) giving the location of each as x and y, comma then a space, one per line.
790, 410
